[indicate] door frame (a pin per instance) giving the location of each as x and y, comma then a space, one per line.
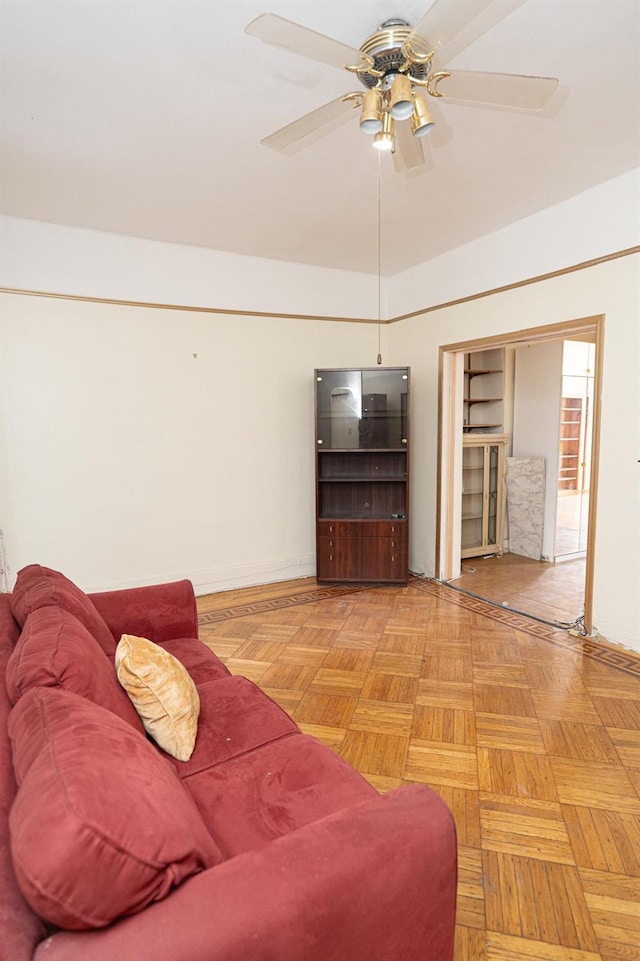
450, 392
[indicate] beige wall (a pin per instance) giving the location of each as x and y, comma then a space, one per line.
128, 460
124, 459
611, 289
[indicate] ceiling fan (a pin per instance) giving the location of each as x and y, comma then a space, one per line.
400, 67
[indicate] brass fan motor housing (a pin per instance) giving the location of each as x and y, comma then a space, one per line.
387, 49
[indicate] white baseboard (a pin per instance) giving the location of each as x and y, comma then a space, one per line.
251, 575
224, 578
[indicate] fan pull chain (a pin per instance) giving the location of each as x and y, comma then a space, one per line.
379, 357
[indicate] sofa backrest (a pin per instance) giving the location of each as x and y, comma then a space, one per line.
37, 586
56, 650
21, 928
46, 605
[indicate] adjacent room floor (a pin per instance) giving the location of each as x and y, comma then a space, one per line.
530, 734
553, 592
571, 522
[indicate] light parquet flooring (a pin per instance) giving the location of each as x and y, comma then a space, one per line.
530, 735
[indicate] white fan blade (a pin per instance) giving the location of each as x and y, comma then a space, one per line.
295, 38
306, 130
442, 133
506, 90
411, 152
450, 26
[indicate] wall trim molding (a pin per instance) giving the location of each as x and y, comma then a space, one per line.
520, 283
227, 311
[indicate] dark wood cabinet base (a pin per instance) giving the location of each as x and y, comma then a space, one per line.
366, 551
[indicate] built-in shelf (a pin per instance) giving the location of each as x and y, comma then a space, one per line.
482, 428
483, 385
477, 371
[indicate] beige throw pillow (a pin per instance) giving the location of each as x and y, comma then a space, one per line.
162, 693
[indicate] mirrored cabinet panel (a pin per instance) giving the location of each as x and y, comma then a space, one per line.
362, 474
362, 409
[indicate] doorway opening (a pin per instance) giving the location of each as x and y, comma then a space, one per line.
451, 423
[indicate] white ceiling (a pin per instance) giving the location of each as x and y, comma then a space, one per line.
144, 118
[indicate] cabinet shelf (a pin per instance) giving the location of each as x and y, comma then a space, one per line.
467, 428
361, 451
335, 516
378, 479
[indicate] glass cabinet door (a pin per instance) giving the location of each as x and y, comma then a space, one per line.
492, 495
472, 496
362, 409
481, 491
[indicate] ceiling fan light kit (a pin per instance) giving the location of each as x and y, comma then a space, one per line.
371, 116
400, 66
390, 65
421, 120
385, 140
401, 97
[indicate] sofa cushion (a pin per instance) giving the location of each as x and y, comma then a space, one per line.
200, 661
162, 693
38, 586
101, 826
56, 650
256, 797
235, 717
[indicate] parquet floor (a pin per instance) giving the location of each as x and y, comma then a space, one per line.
531, 736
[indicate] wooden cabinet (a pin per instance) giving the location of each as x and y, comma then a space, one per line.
483, 494
362, 474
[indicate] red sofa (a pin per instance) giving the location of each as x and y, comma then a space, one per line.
264, 846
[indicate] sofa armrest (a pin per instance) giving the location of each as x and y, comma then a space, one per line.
375, 882
159, 612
